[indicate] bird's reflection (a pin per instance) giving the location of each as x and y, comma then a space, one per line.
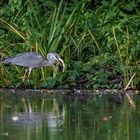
52, 119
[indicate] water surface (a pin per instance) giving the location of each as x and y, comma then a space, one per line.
36, 117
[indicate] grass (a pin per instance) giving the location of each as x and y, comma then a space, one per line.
99, 46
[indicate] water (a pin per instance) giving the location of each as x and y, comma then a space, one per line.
35, 117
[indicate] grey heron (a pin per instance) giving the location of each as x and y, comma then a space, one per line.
31, 60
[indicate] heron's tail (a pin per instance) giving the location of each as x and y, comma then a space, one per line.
6, 61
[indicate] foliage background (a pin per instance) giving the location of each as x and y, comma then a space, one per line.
98, 40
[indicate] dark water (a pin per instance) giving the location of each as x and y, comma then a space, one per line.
32, 117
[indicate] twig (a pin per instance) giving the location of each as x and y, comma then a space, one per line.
127, 95
129, 81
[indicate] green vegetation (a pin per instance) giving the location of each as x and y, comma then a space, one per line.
99, 42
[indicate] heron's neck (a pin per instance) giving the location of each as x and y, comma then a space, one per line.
48, 63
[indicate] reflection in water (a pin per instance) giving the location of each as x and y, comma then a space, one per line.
26, 115
35, 118
53, 119
26, 119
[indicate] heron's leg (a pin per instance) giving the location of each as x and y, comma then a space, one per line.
24, 76
29, 72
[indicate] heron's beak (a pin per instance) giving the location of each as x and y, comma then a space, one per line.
62, 63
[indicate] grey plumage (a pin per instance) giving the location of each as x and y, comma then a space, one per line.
33, 60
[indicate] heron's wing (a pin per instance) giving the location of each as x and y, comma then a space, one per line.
27, 59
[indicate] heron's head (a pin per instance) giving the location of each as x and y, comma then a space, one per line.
54, 57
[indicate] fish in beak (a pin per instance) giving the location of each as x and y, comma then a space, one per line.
62, 63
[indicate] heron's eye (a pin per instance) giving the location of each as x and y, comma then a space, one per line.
52, 56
